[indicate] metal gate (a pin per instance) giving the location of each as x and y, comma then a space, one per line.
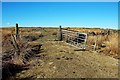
75, 38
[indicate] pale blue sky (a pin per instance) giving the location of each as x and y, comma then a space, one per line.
87, 14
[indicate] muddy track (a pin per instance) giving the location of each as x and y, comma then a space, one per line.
60, 60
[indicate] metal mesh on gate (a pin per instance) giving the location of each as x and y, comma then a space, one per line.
75, 38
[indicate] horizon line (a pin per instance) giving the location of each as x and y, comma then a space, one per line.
63, 27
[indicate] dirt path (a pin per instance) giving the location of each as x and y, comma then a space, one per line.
60, 60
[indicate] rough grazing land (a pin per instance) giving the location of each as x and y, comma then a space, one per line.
60, 60
54, 59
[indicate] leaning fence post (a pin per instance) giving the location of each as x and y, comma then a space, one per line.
15, 44
17, 31
60, 34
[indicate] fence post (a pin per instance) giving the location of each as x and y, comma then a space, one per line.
60, 33
17, 31
15, 44
85, 41
96, 42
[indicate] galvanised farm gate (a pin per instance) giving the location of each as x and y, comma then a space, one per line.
74, 38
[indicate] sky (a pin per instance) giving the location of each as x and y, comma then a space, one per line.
60, 0
72, 14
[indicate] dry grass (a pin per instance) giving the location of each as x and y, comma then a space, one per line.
112, 45
98, 40
90, 64
23, 31
31, 33
91, 40
110, 42
11, 58
7, 30
86, 30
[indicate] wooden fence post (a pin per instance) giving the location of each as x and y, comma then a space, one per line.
96, 42
60, 34
15, 44
85, 41
17, 31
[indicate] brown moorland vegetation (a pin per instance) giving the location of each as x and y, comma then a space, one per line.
58, 59
12, 60
107, 44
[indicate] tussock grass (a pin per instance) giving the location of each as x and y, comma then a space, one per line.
112, 45
110, 42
